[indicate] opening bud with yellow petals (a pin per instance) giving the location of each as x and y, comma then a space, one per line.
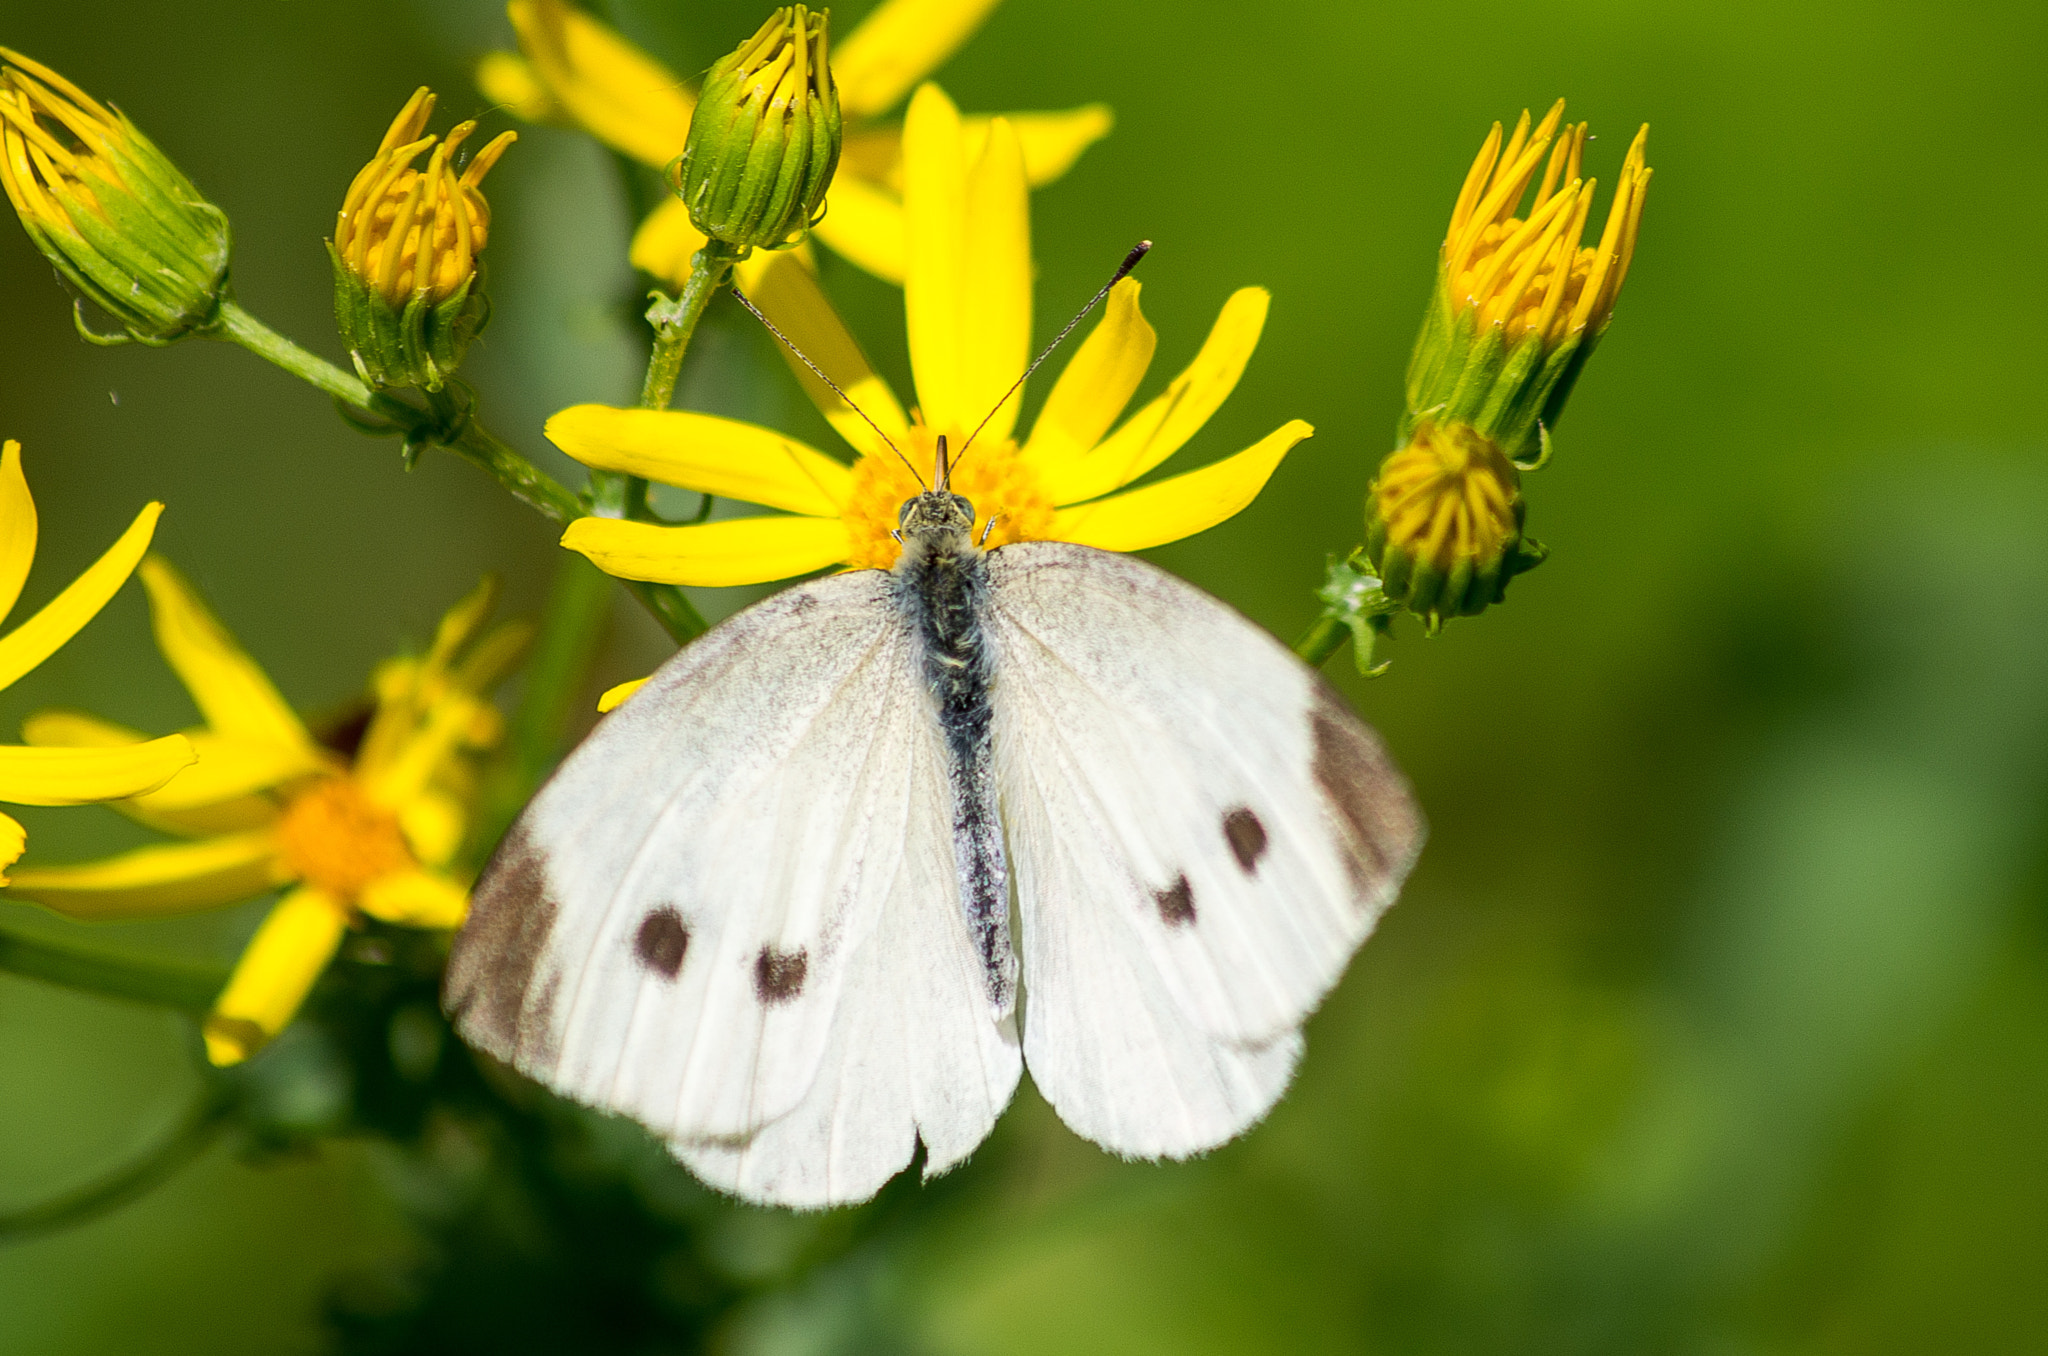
1443, 523
122, 224
407, 247
764, 140
1520, 301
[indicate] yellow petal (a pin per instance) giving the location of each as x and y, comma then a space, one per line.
1179, 507
1158, 430
415, 899
36, 639
665, 241
898, 44
218, 794
234, 695
613, 697
1098, 382
735, 551
13, 838
935, 222
45, 776
788, 294
609, 87
995, 302
17, 527
706, 453
433, 825
151, 882
508, 80
863, 223
1051, 142
276, 972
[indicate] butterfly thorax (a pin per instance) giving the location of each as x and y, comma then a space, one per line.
941, 591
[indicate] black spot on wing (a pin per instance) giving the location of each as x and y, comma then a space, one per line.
1246, 836
1176, 902
1380, 830
662, 942
779, 975
490, 979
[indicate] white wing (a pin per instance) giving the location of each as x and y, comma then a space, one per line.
1201, 834
688, 923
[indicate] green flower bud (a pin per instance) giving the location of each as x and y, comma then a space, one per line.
408, 284
764, 139
124, 227
1518, 304
1443, 524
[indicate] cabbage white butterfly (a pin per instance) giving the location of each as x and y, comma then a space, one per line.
767, 907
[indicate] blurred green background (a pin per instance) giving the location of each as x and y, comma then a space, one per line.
1715, 1018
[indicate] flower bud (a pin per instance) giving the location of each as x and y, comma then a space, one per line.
764, 139
1519, 304
123, 226
1443, 523
408, 286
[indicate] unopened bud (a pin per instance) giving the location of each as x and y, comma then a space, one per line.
1443, 524
122, 224
764, 140
408, 285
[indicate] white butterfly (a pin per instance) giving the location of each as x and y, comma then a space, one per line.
766, 907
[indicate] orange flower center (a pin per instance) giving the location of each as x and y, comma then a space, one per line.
992, 476
335, 837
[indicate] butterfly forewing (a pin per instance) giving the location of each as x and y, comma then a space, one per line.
669, 929
1201, 832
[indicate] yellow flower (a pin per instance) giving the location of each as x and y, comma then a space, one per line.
405, 252
1519, 304
122, 224
967, 300
33, 776
268, 807
577, 70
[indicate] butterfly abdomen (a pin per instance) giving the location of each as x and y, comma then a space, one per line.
941, 587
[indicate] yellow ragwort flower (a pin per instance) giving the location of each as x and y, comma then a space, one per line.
574, 69
122, 224
1519, 303
268, 806
405, 251
967, 300
35, 776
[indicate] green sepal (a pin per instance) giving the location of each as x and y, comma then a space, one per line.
417, 345
1352, 597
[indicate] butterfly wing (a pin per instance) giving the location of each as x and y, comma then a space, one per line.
688, 922
1201, 832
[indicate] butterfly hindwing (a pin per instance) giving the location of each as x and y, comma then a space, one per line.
671, 927
1201, 833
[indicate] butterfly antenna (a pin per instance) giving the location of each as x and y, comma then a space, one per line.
1123, 270
819, 372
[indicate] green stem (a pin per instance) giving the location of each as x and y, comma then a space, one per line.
571, 629
675, 322
444, 422
185, 1141
177, 984
1324, 639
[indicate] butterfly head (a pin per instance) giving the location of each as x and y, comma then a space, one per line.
936, 517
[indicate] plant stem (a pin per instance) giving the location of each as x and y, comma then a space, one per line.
446, 423
571, 629
1323, 639
177, 984
675, 322
184, 1142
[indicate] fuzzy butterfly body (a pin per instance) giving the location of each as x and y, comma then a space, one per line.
766, 908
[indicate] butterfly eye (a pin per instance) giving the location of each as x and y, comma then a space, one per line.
964, 505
